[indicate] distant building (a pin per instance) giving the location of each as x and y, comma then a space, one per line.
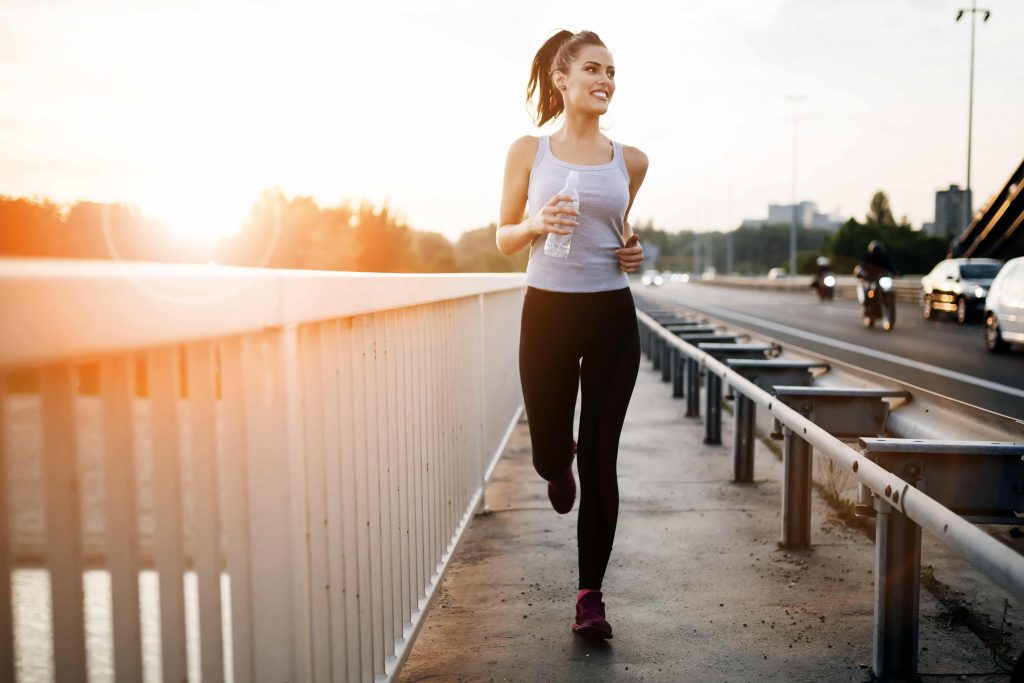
953, 209
807, 216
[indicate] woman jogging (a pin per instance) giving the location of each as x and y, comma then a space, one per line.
579, 328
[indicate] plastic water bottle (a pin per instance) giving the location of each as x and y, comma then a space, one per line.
558, 245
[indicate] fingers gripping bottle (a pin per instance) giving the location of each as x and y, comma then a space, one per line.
558, 245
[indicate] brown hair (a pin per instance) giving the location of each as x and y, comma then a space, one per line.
556, 54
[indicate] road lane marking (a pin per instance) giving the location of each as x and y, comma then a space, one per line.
846, 346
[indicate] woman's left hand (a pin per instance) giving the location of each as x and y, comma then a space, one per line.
631, 255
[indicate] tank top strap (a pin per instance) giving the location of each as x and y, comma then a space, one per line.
619, 159
542, 150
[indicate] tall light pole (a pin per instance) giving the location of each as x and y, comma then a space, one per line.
974, 10
796, 100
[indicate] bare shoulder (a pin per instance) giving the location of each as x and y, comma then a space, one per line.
636, 161
524, 149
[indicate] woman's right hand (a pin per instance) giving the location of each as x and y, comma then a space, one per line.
553, 218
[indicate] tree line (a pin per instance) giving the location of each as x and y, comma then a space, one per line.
279, 232
755, 250
296, 232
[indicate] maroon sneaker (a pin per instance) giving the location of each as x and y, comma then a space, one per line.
562, 491
590, 621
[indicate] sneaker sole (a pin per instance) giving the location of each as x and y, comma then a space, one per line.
593, 632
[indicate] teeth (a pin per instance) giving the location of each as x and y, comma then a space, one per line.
602, 95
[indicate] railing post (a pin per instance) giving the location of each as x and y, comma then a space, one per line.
6, 560
666, 361
677, 372
743, 443
480, 459
63, 521
796, 491
122, 535
692, 388
277, 507
163, 369
897, 592
713, 419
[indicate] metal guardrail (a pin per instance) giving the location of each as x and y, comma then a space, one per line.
901, 508
319, 439
908, 288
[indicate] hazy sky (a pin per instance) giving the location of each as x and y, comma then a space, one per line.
190, 109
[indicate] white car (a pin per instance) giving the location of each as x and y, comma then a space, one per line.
1004, 307
652, 277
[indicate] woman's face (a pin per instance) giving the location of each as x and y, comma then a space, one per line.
590, 83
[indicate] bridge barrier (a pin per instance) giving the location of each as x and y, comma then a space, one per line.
901, 506
314, 442
908, 287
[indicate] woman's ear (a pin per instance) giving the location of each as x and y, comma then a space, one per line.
558, 78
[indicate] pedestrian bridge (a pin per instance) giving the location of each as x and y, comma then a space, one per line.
235, 474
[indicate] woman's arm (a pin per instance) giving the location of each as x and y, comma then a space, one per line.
630, 258
514, 231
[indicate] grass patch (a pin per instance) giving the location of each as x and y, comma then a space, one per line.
957, 611
844, 511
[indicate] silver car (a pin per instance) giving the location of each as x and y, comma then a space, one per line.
958, 286
1004, 308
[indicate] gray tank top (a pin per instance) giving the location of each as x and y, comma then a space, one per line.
592, 265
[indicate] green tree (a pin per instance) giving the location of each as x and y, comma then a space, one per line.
477, 252
435, 253
879, 211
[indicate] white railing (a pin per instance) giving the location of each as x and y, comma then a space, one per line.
293, 454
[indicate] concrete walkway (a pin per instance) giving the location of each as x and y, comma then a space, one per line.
697, 589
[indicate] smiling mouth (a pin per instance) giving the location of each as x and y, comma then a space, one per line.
601, 95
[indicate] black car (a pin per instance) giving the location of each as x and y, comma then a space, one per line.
959, 286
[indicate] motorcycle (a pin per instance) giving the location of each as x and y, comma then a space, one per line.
825, 285
877, 296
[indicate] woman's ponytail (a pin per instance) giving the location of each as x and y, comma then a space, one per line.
556, 54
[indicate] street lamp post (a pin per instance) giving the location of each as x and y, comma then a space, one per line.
795, 99
974, 10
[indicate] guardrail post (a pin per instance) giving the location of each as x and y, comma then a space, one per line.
713, 418
677, 373
666, 361
796, 491
692, 388
897, 592
743, 443
656, 351
643, 338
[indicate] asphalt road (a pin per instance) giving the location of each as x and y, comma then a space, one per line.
938, 355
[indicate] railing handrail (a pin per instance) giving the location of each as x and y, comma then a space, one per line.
999, 562
103, 307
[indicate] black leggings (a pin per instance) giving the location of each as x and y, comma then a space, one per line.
559, 329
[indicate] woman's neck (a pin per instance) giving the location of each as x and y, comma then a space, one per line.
579, 129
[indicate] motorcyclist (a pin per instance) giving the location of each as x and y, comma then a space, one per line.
824, 267
875, 263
